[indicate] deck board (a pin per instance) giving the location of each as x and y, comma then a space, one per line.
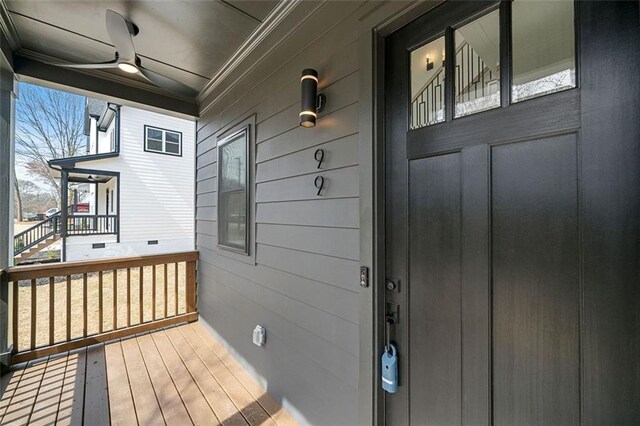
45, 409
250, 409
280, 416
178, 375
96, 405
8, 385
173, 408
71, 408
144, 399
217, 398
24, 397
121, 406
195, 402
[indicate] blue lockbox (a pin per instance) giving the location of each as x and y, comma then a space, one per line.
390, 369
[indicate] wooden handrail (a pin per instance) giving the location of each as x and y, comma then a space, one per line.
18, 273
98, 280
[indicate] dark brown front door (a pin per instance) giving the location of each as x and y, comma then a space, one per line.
512, 214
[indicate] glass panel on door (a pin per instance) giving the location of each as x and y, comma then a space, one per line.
477, 67
543, 48
427, 85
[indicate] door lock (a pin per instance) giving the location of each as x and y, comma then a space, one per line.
392, 285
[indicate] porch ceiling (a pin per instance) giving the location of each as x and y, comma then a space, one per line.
188, 40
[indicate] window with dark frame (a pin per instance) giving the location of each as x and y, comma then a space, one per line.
162, 141
112, 140
233, 192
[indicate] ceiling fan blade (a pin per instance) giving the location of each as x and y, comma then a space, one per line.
120, 34
100, 65
166, 82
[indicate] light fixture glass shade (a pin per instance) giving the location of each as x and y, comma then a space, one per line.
130, 68
309, 95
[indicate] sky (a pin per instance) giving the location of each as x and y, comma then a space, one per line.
21, 171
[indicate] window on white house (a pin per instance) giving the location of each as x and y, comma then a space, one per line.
162, 141
112, 140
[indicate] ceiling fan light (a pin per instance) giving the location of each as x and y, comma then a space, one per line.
126, 67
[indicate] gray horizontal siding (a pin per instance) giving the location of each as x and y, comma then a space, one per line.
206, 185
322, 333
339, 153
327, 269
288, 372
304, 285
339, 183
338, 124
341, 243
337, 213
206, 228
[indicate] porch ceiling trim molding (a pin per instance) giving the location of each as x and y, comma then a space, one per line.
8, 28
275, 17
10, 41
280, 33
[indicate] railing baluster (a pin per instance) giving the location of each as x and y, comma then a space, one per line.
100, 302
33, 313
141, 304
115, 299
52, 325
176, 288
68, 307
153, 293
166, 288
128, 297
15, 316
190, 292
84, 304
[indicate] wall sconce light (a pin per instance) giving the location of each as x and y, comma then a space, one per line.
311, 102
429, 63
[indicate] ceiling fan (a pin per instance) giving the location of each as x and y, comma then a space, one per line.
121, 32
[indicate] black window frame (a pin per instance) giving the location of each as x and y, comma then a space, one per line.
164, 141
245, 130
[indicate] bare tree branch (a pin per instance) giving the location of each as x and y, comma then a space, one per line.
49, 125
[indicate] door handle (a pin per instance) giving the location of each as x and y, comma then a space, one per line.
388, 325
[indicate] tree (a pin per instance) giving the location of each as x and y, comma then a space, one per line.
49, 125
34, 199
19, 210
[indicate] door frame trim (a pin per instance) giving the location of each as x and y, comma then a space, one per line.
374, 26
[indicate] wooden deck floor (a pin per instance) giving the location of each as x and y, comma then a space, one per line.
176, 376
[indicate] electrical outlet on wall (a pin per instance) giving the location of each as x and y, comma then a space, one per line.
259, 335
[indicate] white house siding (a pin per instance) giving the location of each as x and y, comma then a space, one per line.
104, 138
92, 136
304, 287
156, 192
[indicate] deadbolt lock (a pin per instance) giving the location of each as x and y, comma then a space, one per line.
392, 285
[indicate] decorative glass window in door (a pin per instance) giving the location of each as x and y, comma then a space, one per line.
427, 84
541, 55
543, 48
477, 67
